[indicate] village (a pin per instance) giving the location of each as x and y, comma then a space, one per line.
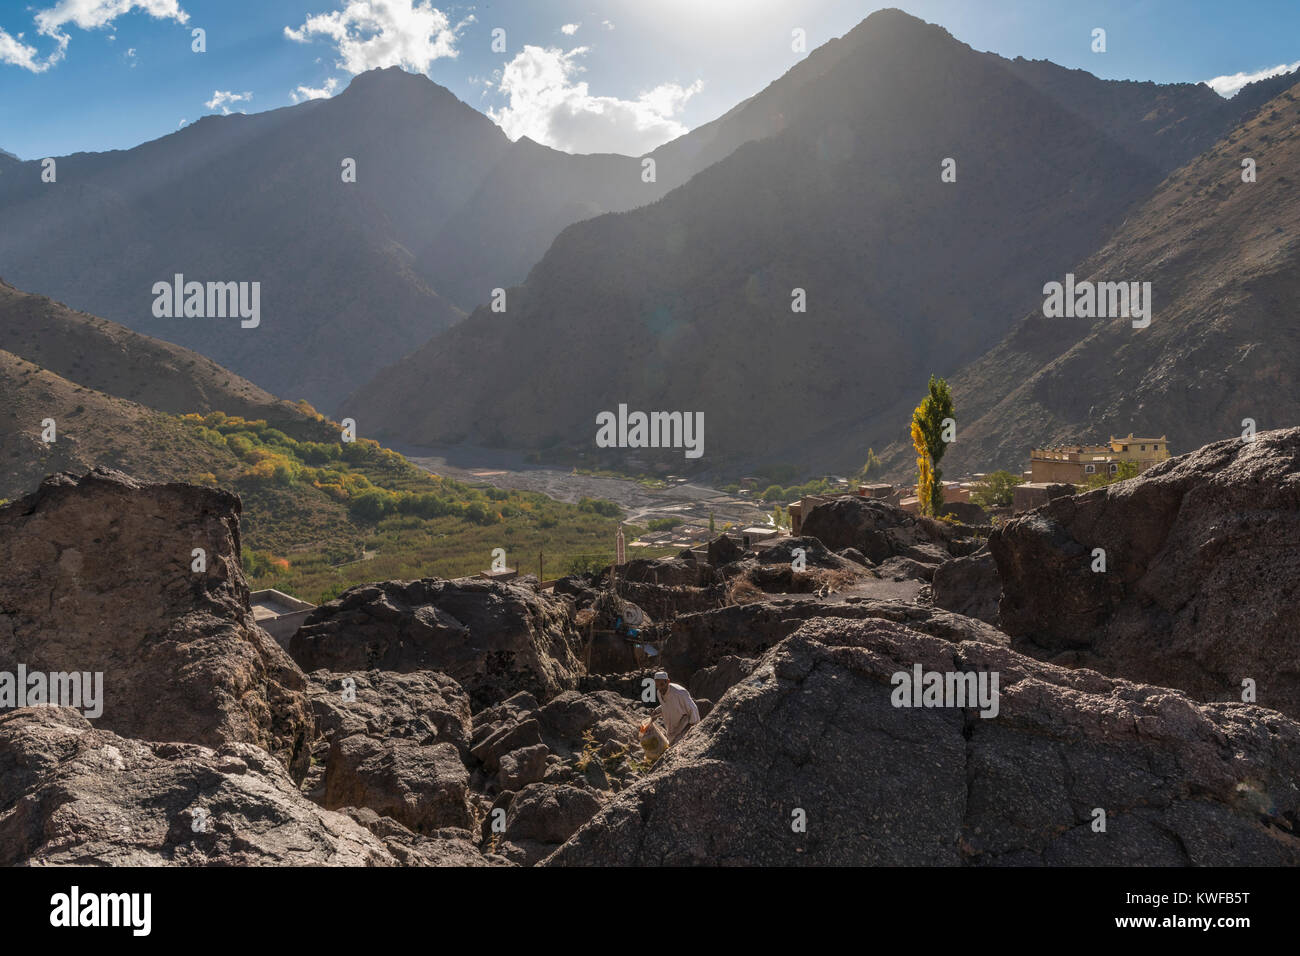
691, 515
1052, 471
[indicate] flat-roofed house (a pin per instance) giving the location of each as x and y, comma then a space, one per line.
279, 614
1077, 463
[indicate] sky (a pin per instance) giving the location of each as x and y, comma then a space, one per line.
580, 75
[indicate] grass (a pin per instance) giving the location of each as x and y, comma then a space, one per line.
321, 515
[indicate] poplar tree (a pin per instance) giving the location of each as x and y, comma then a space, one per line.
927, 439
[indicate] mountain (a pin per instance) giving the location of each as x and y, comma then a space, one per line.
91, 429
445, 208
114, 396
685, 304
110, 358
1223, 260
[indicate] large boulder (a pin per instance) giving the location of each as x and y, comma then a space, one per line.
392, 743
493, 638
71, 794
1201, 579
99, 577
969, 586
541, 817
811, 760
423, 786
697, 641
589, 740
877, 529
710, 683
423, 706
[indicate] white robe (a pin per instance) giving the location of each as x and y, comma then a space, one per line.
678, 711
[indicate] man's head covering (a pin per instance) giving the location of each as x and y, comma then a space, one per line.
661, 675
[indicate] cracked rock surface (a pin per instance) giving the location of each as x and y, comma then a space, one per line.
813, 729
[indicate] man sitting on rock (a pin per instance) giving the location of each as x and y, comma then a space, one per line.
676, 708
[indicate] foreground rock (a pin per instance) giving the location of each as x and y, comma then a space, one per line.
883, 531
1202, 574
98, 578
969, 586
811, 736
697, 641
72, 794
492, 638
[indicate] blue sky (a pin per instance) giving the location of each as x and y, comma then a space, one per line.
624, 76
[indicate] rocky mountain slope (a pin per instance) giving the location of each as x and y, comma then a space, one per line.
444, 209
686, 304
109, 358
113, 395
1221, 256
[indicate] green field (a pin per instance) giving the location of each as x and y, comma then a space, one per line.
323, 515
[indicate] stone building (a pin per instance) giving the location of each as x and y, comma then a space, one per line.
1075, 464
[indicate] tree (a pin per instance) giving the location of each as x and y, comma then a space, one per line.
872, 465
928, 434
996, 490
780, 517
712, 530
1126, 469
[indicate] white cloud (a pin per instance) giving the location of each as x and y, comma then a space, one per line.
1231, 84
607, 24
317, 93
16, 53
85, 14
369, 34
182, 122
569, 29
222, 98
548, 105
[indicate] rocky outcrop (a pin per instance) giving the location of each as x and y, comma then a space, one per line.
449, 846
71, 794
423, 706
881, 531
710, 683
969, 586
538, 819
141, 583
423, 786
1201, 579
697, 641
807, 761
490, 637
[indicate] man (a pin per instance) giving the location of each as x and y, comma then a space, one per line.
676, 708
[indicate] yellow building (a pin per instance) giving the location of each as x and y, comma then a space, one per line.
1077, 463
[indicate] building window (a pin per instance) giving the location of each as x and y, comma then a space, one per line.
1089, 469
1142, 447
1126, 447
1114, 467
1155, 447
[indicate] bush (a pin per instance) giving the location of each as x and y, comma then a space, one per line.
1127, 469
371, 505
606, 509
996, 490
